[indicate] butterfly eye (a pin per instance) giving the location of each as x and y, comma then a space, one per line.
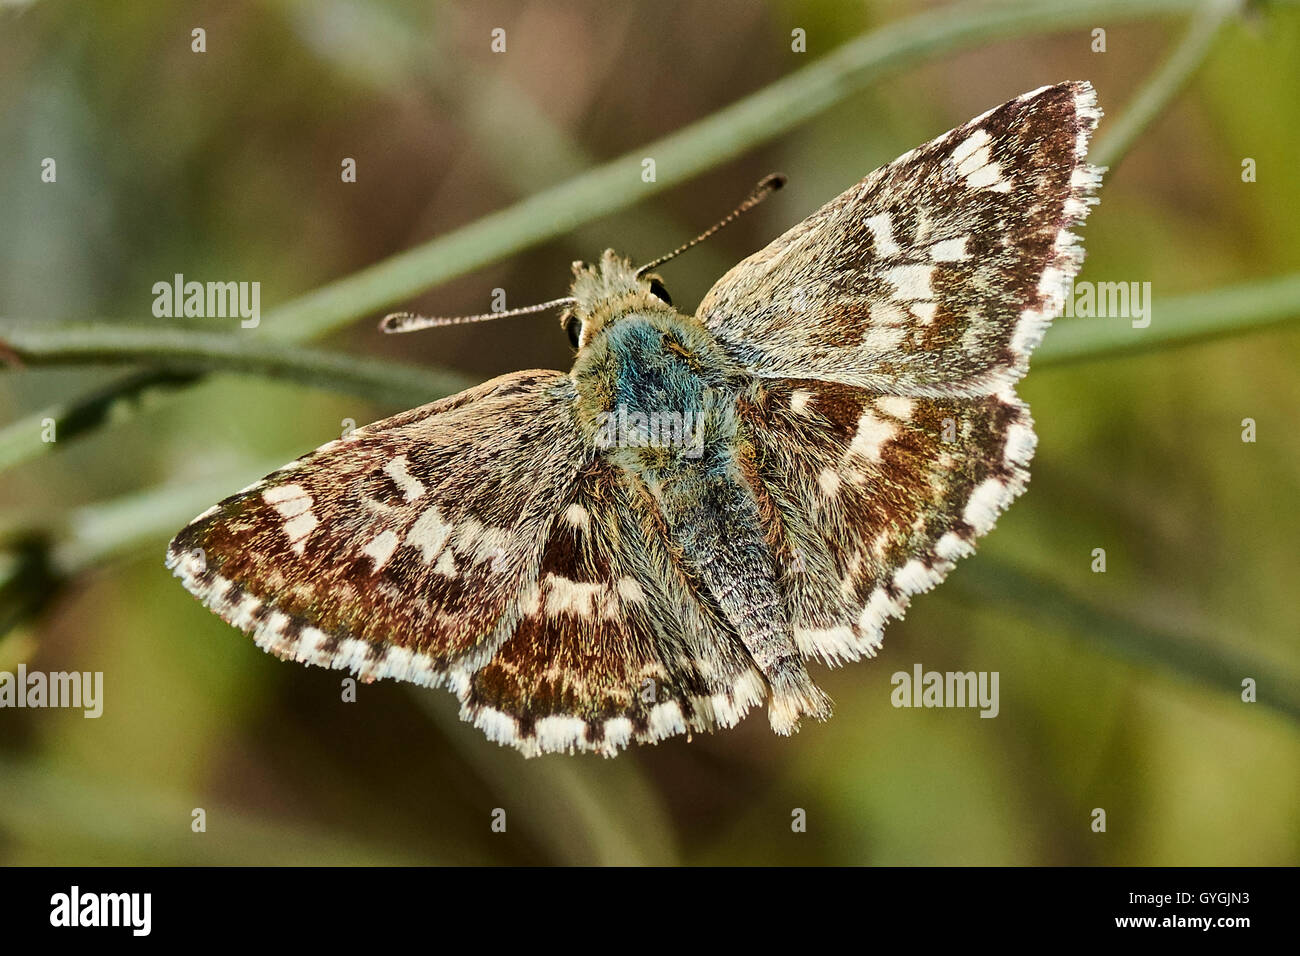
574, 327
659, 292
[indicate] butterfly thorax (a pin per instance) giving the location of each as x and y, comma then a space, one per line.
655, 392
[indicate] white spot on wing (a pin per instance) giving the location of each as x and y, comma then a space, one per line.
579, 598
429, 534
630, 591
988, 177
897, 406
293, 507
974, 161
292, 503
967, 147
284, 493
446, 565
949, 250
577, 516
882, 231
871, 436
410, 486
297, 529
982, 510
911, 281
380, 548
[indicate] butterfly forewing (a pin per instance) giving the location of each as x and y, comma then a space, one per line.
938, 273
403, 548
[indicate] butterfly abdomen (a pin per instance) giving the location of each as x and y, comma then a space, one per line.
711, 512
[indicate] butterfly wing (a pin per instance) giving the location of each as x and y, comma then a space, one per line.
870, 499
938, 273
402, 549
887, 332
613, 645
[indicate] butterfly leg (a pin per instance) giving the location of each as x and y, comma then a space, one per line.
712, 514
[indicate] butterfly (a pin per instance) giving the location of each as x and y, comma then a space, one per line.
663, 537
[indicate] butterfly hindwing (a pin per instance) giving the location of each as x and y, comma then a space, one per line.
401, 549
938, 273
613, 645
872, 498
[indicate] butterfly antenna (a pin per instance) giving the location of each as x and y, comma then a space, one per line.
410, 322
766, 186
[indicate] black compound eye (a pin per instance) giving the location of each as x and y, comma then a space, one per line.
659, 292
573, 326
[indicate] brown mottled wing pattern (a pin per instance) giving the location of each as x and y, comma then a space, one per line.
403, 549
938, 273
887, 332
614, 644
870, 499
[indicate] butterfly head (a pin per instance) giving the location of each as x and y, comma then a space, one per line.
604, 291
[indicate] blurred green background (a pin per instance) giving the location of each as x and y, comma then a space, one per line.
1119, 690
